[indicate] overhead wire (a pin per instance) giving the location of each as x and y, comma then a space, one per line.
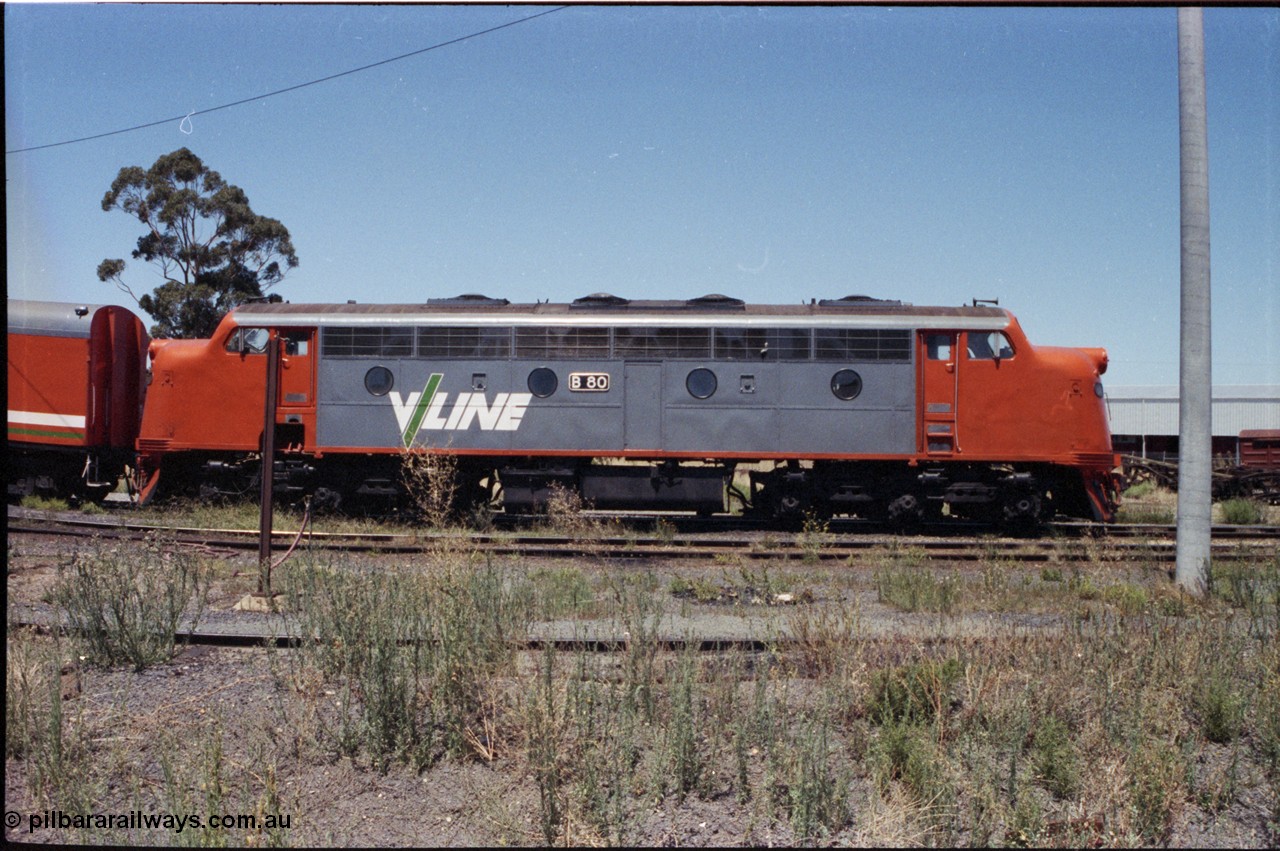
189, 115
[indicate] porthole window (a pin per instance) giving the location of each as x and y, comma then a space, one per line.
379, 381
701, 383
543, 382
846, 384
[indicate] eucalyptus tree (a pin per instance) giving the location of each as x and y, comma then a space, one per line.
212, 249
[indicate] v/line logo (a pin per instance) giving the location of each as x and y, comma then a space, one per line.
425, 411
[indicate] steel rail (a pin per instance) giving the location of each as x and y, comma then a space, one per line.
1233, 541
721, 523
252, 640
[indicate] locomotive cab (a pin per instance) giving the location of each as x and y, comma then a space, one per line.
988, 395
205, 406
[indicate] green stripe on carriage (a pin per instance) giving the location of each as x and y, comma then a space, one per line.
28, 431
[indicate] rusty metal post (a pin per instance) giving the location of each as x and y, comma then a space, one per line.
268, 466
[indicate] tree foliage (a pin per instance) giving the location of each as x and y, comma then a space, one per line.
213, 250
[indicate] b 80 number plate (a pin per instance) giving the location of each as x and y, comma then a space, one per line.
589, 382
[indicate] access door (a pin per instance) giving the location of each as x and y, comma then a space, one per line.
297, 369
642, 405
938, 382
296, 411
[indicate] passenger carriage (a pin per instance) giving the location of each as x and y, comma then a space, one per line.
76, 377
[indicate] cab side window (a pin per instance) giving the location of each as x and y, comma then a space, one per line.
988, 345
296, 343
251, 341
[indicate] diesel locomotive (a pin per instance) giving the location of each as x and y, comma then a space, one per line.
853, 406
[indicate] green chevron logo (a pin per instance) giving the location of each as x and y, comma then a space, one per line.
420, 409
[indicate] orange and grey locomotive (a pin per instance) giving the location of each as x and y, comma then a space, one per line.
845, 406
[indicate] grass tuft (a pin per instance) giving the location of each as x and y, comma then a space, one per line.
1242, 512
917, 589
913, 693
412, 656
1055, 759
126, 606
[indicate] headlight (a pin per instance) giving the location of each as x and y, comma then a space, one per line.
1097, 389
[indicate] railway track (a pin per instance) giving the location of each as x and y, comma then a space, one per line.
1067, 542
250, 638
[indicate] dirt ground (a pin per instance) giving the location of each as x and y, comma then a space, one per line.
218, 729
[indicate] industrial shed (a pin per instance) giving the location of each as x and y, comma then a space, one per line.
1144, 420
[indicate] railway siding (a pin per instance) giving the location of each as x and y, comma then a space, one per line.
1076, 542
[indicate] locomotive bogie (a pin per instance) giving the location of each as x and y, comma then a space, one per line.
72, 473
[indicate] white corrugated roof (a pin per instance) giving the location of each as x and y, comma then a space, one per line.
1152, 410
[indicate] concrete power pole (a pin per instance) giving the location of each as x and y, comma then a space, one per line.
1195, 428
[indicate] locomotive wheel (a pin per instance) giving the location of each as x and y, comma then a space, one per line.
326, 500
1022, 509
905, 512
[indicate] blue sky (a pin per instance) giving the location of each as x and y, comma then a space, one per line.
775, 154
